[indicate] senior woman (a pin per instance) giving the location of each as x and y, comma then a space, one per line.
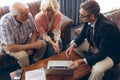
48, 23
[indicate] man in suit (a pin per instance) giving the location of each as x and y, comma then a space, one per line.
106, 39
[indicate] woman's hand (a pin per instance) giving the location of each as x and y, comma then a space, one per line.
58, 47
55, 46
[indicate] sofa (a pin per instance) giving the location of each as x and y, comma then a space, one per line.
113, 73
9, 64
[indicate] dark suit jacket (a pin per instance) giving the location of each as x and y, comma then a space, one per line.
106, 38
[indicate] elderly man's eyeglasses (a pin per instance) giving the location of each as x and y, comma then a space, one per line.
84, 16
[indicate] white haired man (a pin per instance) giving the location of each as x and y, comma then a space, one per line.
19, 36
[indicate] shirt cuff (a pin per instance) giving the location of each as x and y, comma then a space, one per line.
85, 60
73, 42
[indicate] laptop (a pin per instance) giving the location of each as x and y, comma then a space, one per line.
59, 67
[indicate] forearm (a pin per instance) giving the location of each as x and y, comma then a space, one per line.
17, 47
34, 37
57, 42
20, 47
51, 42
56, 35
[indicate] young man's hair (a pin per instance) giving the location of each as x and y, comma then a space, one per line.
91, 7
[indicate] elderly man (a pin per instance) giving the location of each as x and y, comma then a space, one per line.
19, 36
103, 38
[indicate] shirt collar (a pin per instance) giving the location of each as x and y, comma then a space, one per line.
92, 25
15, 22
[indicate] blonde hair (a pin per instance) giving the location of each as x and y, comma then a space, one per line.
49, 3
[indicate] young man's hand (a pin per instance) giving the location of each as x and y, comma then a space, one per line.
69, 50
75, 64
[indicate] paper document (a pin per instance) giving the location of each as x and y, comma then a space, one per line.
37, 74
58, 64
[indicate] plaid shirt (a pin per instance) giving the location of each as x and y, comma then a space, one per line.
12, 32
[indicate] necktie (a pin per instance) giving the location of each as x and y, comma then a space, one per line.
91, 39
91, 35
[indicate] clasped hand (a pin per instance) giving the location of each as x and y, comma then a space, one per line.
56, 47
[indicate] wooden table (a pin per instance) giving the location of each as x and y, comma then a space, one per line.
79, 73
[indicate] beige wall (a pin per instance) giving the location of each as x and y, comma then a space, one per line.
8, 2
108, 5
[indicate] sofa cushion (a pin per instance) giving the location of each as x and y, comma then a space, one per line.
114, 16
4, 10
34, 7
78, 31
65, 22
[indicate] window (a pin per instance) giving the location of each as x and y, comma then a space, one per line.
8, 2
108, 5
